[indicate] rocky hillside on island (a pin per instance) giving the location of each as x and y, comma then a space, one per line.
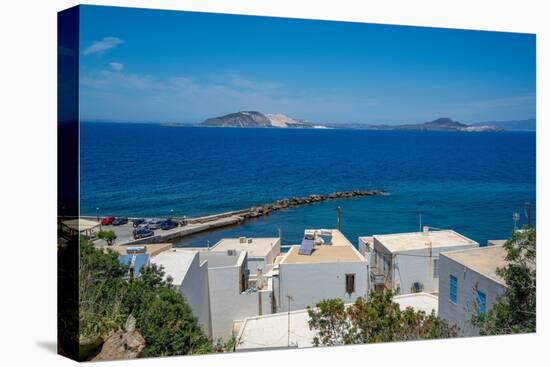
256, 119
239, 119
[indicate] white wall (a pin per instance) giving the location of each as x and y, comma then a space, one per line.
275, 251
364, 248
264, 262
308, 284
468, 281
254, 263
418, 266
411, 266
194, 288
227, 303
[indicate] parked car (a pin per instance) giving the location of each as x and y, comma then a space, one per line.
168, 224
136, 222
142, 232
107, 221
120, 221
143, 226
154, 223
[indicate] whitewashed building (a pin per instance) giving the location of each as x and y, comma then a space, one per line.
189, 274
261, 252
409, 262
469, 284
291, 329
231, 297
331, 268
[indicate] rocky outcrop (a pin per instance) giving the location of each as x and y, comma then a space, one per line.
122, 344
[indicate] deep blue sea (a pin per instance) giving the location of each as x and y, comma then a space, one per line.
470, 182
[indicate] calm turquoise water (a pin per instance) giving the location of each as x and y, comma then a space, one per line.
471, 182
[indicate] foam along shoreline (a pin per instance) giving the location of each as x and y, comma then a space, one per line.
215, 221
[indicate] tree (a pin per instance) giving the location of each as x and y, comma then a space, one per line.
109, 236
516, 310
163, 317
108, 296
377, 320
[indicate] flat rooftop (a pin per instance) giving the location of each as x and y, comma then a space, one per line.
322, 254
338, 239
420, 240
271, 331
81, 224
258, 247
176, 263
419, 301
483, 260
151, 249
221, 259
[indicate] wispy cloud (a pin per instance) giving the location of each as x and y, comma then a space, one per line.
116, 66
183, 98
98, 47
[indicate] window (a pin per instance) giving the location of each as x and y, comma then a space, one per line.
350, 283
436, 268
453, 288
481, 303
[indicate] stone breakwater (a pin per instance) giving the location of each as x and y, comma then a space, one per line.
265, 209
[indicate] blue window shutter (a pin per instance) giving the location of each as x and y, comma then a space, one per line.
481, 302
453, 288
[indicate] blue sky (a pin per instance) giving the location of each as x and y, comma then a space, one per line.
150, 65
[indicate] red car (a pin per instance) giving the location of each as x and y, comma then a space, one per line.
107, 221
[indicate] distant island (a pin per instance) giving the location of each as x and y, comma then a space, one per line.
255, 119
440, 124
513, 125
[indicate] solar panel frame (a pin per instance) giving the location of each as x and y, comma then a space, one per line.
306, 248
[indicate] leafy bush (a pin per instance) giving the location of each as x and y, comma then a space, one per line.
377, 320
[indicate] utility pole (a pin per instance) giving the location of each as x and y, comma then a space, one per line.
288, 326
339, 216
